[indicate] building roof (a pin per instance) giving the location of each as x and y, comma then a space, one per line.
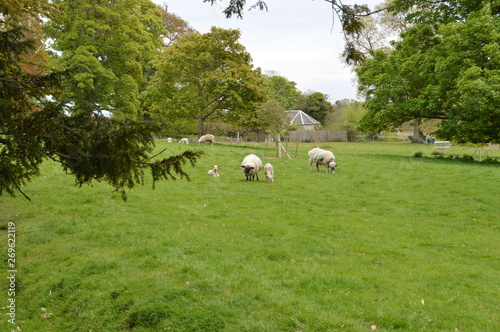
301, 118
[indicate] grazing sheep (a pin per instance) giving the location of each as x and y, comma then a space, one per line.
169, 139
322, 157
184, 140
207, 138
269, 171
251, 166
213, 172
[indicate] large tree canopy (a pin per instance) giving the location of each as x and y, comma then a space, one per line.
315, 104
450, 73
206, 77
108, 47
282, 90
34, 128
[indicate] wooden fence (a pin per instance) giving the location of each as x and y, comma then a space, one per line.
318, 136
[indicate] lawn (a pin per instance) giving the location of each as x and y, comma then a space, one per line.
389, 242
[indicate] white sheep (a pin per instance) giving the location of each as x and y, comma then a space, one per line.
184, 140
214, 171
269, 171
322, 157
206, 139
251, 166
169, 139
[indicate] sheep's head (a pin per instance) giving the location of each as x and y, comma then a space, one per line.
247, 169
216, 167
332, 165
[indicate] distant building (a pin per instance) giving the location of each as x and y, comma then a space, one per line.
304, 121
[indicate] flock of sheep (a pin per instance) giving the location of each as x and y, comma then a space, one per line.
251, 164
208, 138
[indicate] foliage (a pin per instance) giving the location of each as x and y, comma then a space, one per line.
282, 90
464, 158
108, 47
441, 11
379, 29
236, 7
347, 111
174, 25
315, 104
20, 149
449, 74
34, 127
272, 117
289, 256
206, 77
346, 115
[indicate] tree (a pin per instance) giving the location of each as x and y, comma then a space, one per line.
346, 116
206, 77
378, 29
174, 25
315, 104
450, 73
280, 89
441, 11
108, 47
34, 128
272, 117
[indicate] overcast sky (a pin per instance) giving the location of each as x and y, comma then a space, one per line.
293, 38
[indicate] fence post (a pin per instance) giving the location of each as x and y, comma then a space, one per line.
278, 143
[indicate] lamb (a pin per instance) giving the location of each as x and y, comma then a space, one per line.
207, 138
251, 166
322, 157
269, 171
213, 172
184, 140
169, 139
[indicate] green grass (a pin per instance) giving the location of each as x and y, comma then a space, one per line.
408, 244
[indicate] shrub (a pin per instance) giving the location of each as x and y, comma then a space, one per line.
419, 154
490, 160
467, 157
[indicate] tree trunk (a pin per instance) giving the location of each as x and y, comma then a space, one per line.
201, 129
278, 142
417, 137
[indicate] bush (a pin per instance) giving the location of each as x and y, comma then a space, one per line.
419, 154
467, 157
490, 160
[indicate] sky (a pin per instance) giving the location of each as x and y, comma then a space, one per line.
298, 39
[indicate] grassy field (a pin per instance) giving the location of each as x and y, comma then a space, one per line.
389, 242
